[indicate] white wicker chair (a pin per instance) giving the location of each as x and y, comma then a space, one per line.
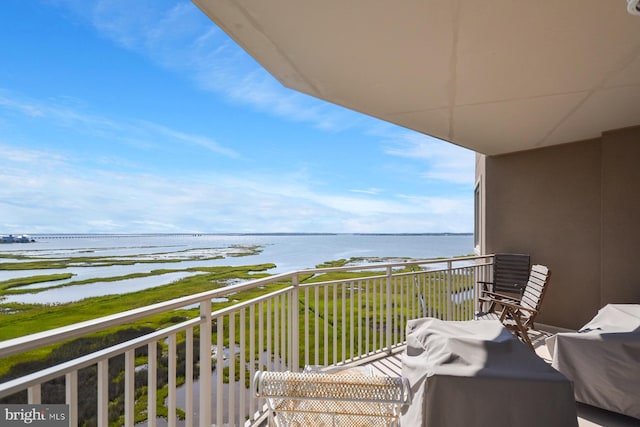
332, 399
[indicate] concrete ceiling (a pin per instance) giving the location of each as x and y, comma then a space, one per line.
495, 76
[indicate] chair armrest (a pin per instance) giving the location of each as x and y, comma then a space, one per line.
498, 297
517, 307
485, 285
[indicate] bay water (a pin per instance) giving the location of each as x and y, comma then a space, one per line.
287, 251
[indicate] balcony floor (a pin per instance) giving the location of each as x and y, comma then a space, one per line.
588, 416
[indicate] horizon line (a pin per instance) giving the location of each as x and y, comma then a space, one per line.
196, 234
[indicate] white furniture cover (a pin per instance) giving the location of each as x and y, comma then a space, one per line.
603, 359
476, 373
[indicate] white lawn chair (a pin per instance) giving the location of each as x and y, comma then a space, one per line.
331, 399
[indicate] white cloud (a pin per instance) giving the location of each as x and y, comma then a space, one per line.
443, 161
69, 198
26, 157
198, 140
372, 191
55, 111
179, 37
65, 196
141, 134
24, 108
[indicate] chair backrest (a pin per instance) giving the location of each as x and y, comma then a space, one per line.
510, 272
312, 399
535, 290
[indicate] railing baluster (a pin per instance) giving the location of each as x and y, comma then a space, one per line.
188, 377
417, 296
426, 291
352, 328
449, 285
306, 326
389, 313
219, 370
204, 407
395, 311
283, 331
413, 296
316, 328
294, 339
276, 334
129, 388
103, 393
459, 291
383, 322
421, 303
366, 322
455, 288
34, 395
152, 381
374, 317
440, 297
326, 324
446, 286
343, 337
243, 367
460, 288
437, 295
231, 361
335, 322
396, 307
172, 380
359, 314
269, 354
71, 396
401, 309
252, 352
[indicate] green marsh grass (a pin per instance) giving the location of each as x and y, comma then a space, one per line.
23, 319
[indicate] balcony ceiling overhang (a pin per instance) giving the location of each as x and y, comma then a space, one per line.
495, 76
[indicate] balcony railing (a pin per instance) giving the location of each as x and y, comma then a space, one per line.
198, 371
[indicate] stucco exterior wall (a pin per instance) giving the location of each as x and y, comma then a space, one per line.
575, 208
621, 217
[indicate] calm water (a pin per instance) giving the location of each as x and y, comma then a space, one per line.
288, 252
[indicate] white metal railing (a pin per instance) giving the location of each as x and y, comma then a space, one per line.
308, 318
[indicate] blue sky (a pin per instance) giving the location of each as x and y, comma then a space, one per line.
122, 116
